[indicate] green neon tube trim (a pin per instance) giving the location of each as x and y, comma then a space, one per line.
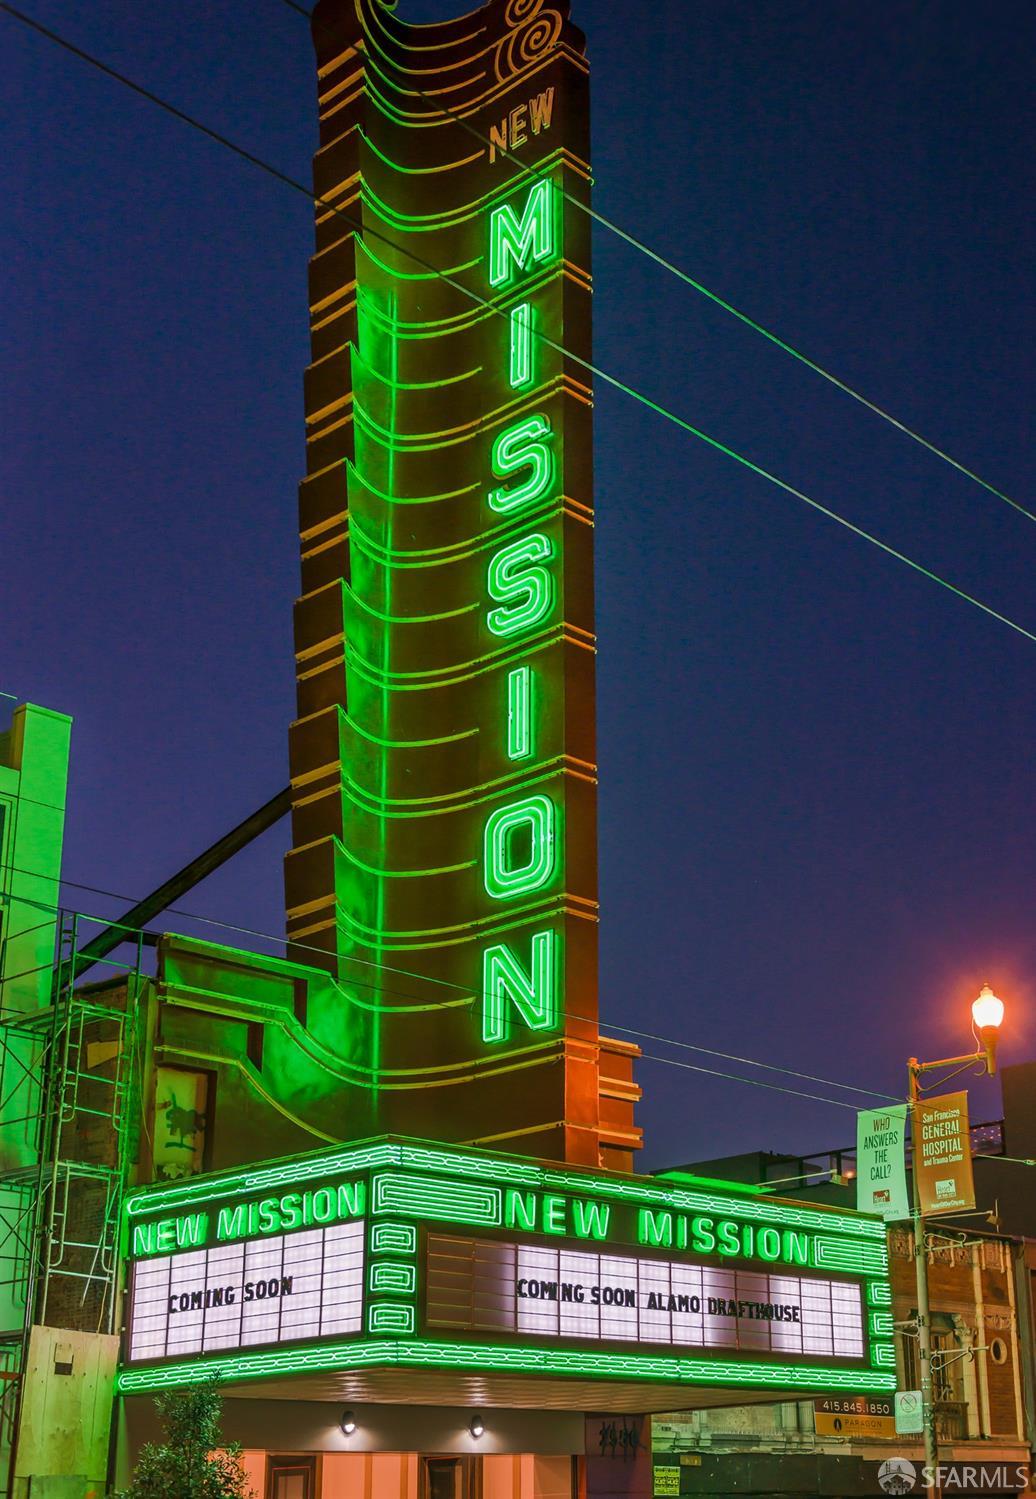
514, 242
393, 1238
388, 1317
474, 1203
504, 875
832, 1226
431, 1158
405, 874
391, 270
525, 444
521, 1358
520, 330
449, 166
517, 581
292, 1170
519, 713
392, 1279
396, 499
533, 992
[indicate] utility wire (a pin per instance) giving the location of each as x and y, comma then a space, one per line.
444, 109
755, 1082
601, 374
467, 991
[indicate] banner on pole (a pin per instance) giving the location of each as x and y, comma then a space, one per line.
881, 1185
942, 1154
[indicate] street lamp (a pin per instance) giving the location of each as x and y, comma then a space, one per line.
987, 1013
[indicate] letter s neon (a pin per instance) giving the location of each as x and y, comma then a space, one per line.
526, 444
517, 581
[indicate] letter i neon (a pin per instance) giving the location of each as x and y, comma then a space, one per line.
519, 713
521, 345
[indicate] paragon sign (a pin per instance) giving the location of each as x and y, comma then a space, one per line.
393, 1252
443, 763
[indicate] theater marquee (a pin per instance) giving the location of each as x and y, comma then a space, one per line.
394, 1253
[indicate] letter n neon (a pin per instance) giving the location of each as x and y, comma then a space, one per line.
533, 992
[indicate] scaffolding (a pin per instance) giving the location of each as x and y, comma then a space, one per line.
69, 1101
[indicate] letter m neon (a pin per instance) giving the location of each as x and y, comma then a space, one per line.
514, 242
534, 994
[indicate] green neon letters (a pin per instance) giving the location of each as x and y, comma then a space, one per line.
533, 992
520, 843
514, 242
679, 1191
578, 1216
516, 580
505, 872
525, 444
519, 713
520, 329
166, 1235
662, 1229
248, 1220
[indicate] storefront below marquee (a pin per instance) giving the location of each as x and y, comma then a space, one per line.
433, 1322
298, 1449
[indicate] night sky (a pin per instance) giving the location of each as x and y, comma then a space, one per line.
816, 811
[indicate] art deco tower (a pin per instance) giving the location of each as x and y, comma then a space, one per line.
444, 859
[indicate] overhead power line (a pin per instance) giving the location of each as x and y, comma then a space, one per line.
476, 297
466, 990
667, 265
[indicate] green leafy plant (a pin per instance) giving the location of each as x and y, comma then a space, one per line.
193, 1462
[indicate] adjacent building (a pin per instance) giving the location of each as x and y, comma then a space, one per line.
981, 1285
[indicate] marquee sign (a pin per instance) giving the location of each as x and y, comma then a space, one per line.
557, 1293
395, 1252
443, 763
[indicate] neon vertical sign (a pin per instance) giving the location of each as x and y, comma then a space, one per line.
444, 761
521, 848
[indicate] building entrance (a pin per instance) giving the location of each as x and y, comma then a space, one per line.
450, 1478
291, 1478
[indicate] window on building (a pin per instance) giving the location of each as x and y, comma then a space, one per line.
948, 1392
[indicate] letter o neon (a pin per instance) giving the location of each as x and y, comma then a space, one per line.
501, 876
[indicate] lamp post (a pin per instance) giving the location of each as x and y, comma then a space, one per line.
987, 1013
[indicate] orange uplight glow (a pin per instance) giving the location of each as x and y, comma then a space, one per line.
987, 1011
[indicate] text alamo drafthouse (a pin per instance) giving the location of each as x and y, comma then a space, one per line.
656, 1301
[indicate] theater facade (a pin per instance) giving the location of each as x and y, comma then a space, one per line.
383, 1186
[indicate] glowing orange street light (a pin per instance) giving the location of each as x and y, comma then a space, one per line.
988, 1014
